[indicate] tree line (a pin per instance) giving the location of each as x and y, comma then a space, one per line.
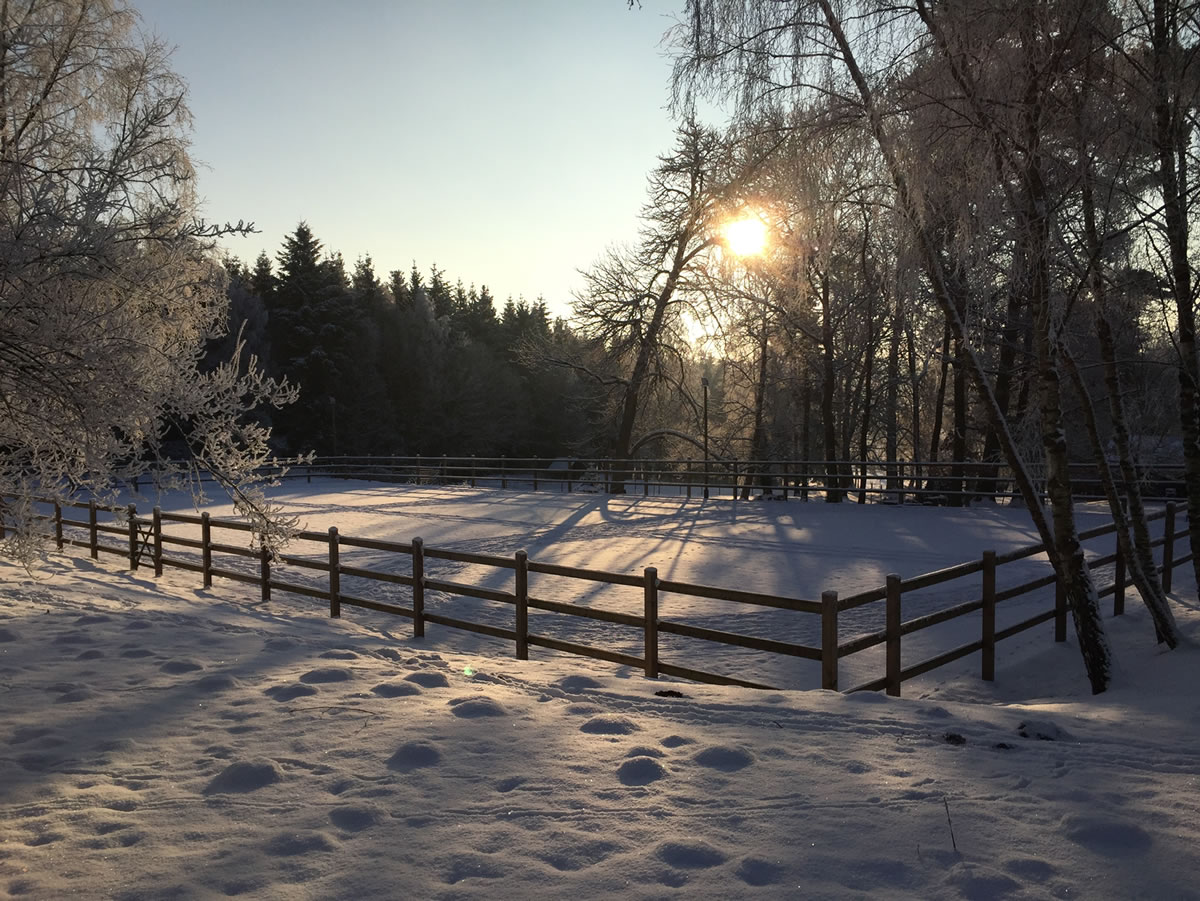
413, 365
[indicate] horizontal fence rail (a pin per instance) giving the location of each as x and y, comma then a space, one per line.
857, 481
153, 541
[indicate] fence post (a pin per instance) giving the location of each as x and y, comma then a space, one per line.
472, 470
829, 640
58, 535
335, 575
1060, 611
989, 616
893, 635
133, 560
521, 594
93, 532
651, 575
264, 555
418, 566
206, 549
158, 542
1119, 584
1168, 561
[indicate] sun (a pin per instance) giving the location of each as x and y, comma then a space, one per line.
746, 237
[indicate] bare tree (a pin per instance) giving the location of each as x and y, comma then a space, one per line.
636, 299
108, 284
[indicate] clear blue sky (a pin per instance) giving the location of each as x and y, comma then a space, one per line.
507, 141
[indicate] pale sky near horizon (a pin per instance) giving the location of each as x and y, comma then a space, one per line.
506, 142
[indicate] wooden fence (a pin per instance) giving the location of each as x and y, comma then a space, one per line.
880, 481
143, 541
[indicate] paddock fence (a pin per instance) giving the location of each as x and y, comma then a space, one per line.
162, 540
857, 481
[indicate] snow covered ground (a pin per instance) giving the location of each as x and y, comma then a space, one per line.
159, 740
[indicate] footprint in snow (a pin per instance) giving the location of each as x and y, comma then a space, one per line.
177, 667
577, 683
354, 818
396, 689
244, 776
640, 771
28, 733
1107, 836
610, 724
724, 758
91, 619
472, 707
428, 679
75, 696
414, 755
216, 682
675, 741
290, 844
1043, 730
1031, 869
690, 855
756, 871
289, 692
327, 674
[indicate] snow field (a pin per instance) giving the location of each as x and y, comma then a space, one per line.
162, 740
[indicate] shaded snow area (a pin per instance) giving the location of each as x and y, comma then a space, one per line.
159, 740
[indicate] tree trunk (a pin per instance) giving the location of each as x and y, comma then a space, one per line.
833, 493
1142, 578
1139, 553
868, 376
989, 476
806, 429
641, 367
758, 451
1150, 587
959, 442
915, 387
891, 413
1073, 574
939, 405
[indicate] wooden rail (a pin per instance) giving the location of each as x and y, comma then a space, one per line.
872, 480
145, 537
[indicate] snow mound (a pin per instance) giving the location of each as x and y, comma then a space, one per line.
244, 776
